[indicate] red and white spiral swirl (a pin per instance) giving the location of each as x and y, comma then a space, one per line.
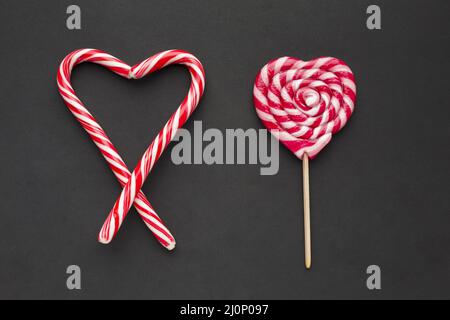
303, 103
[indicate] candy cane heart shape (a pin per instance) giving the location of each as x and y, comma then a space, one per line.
132, 182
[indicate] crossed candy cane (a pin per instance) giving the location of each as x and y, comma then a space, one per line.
132, 182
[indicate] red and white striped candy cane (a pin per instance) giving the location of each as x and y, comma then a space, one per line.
133, 194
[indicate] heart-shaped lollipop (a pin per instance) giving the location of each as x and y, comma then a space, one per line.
303, 103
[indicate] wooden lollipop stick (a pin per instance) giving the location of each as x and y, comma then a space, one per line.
306, 210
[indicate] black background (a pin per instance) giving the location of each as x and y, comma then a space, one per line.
379, 190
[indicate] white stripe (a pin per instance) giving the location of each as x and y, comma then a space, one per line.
279, 64
121, 201
259, 95
349, 102
154, 62
77, 56
290, 75
314, 149
132, 188
154, 150
85, 119
349, 83
157, 232
320, 62
114, 64
278, 112
264, 75
273, 97
265, 116
303, 130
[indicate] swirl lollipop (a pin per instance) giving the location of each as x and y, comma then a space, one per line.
303, 103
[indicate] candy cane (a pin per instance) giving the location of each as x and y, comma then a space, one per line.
131, 193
